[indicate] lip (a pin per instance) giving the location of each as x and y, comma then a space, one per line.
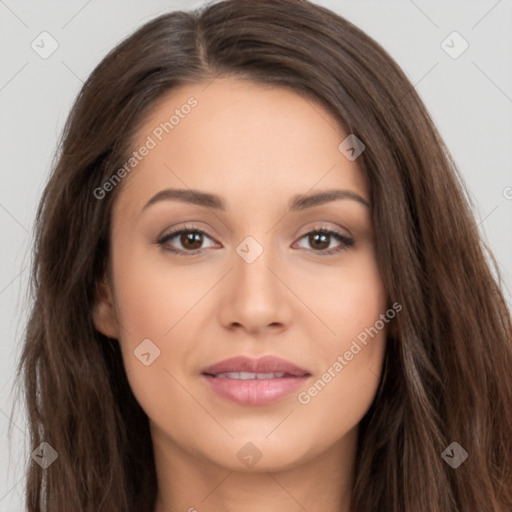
255, 391
265, 364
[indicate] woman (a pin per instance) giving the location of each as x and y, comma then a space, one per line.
255, 369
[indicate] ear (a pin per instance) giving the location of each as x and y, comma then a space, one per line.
103, 313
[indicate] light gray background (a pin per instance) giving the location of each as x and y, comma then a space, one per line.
470, 99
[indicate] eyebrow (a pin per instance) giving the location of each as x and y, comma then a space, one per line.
297, 202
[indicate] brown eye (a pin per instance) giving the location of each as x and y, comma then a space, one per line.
190, 241
320, 240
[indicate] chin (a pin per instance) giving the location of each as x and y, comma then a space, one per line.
255, 454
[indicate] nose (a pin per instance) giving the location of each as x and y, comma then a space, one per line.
256, 298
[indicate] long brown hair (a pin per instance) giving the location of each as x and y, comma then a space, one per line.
447, 371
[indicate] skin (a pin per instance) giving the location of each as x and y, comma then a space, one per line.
256, 146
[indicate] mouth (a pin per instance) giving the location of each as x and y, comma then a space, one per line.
255, 381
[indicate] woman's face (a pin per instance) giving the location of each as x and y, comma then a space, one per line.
263, 283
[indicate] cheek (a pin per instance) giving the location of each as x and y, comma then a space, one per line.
347, 298
350, 356
346, 381
162, 302
152, 295
151, 307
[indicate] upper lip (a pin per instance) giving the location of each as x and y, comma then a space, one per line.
265, 364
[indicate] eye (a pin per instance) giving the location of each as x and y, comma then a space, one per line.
190, 238
321, 238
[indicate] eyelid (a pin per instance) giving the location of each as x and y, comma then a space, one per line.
179, 229
323, 226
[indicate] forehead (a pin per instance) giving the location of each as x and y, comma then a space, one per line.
249, 142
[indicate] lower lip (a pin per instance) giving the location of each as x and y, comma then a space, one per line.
255, 391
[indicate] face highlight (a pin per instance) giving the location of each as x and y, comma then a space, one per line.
246, 232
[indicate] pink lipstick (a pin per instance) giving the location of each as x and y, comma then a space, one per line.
255, 381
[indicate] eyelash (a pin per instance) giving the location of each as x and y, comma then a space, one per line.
346, 242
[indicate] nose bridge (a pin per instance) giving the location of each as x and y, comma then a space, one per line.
257, 249
254, 255
256, 298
